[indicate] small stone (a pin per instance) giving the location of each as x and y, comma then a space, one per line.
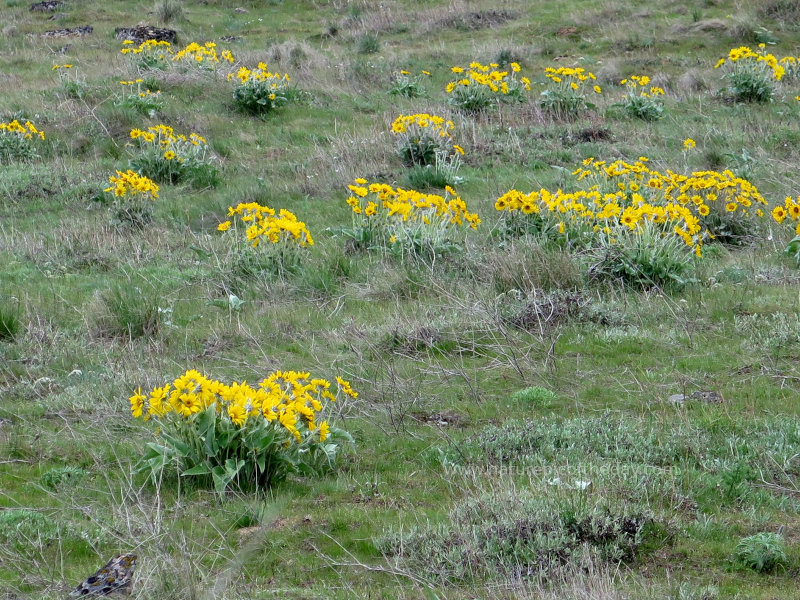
677, 399
241, 11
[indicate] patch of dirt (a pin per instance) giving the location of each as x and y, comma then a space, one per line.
566, 31
442, 419
593, 133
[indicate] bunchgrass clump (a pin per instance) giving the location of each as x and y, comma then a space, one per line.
167, 157
534, 396
10, 320
762, 552
129, 312
237, 436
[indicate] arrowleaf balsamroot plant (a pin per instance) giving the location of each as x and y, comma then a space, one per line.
407, 221
258, 90
241, 436
131, 192
267, 241
752, 76
642, 99
481, 87
168, 157
19, 142
565, 93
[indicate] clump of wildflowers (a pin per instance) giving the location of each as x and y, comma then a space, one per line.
150, 54
168, 157
407, 221
139, 98
238, 435
642, 100
274, 242
480, 87
405, 83
18, 141
130, 194
205, 56
565, 96
752, 76
426, 143
260, 91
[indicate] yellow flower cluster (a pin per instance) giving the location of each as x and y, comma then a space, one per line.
290, 399
573, 78
791, 210
59, 67
132, 184
639, 83
490, 77
27, 131
152, 48
791, 66
261, 73
397, 206
750, 58
263, 224
629, 194
207, 52
141, 93
412, 124
163, 139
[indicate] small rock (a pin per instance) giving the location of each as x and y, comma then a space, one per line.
709, 25
142, 33
241, 11
47, 6
677, 399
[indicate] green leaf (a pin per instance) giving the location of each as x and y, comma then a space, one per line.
201, 469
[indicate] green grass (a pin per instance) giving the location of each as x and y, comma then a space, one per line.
491, 380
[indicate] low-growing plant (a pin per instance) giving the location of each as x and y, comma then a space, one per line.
150, 54
565, 96
406, 221
169, 11
407, 84
131, 195
263, 241
129, 312
167, 157
762, 552
72, 83
19, 142
481, 87
424, 139
259, 91
519, 535
59, 477
751, 76
239, 436
368, 44
10, 320
641, 99
535, 395
141, 100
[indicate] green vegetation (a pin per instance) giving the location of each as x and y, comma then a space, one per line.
553, 248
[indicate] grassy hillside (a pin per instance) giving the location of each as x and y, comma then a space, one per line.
549, 405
